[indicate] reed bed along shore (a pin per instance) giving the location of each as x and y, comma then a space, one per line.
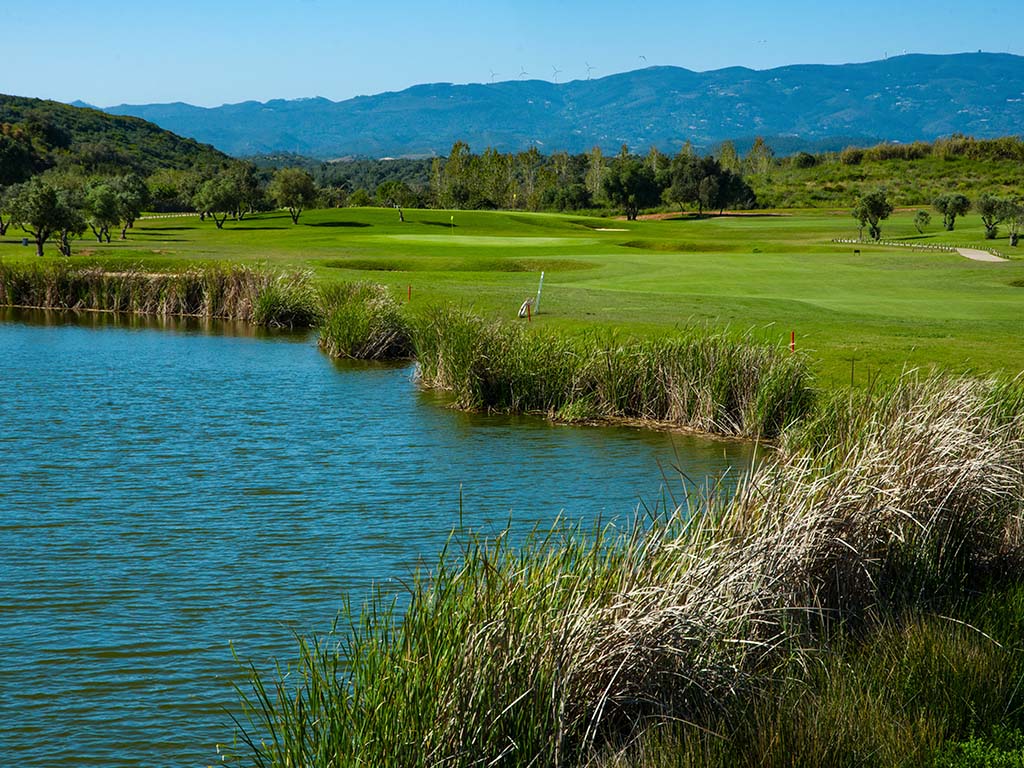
703, 380
577, 644
257, 296
710, 381
363, 321
700, 379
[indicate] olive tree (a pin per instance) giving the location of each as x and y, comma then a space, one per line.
132, 196
950, 206
101, 210
990, 208
247, 186
218, 198
1012, 212
871, 209
70, 222
294, 189
44, 212
921, 220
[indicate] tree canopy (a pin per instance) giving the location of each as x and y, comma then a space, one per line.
219, 198
872, 209
630, 185
43, 211
294, 189
951, 205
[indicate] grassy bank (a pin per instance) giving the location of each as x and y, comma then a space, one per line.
833, 183
857, 315
767, 625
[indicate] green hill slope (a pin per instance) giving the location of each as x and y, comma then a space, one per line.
913, 174
43, 134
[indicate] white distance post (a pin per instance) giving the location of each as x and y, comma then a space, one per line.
536, 304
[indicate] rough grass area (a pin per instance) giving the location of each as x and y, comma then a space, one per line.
795, 615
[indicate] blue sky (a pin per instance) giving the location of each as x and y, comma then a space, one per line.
209, 53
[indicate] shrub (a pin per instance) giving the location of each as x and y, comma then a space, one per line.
362, 321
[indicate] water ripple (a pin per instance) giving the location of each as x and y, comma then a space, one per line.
166, 495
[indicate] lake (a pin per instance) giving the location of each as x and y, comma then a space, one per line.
170, 492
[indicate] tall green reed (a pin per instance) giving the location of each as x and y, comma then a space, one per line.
256, 296
363, 321
710, 381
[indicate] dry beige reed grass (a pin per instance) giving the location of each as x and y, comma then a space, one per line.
921, 493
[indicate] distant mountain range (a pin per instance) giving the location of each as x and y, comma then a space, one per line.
903, 98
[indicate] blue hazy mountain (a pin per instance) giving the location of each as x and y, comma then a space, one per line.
903, 98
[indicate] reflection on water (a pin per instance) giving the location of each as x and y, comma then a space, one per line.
169, 489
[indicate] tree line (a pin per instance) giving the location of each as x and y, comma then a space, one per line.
56, 194
533, 181
64, 202
57, 207
874, 207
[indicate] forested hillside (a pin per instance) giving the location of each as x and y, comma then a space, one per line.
36, 134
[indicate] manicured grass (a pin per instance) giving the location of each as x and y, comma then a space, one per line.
885, 308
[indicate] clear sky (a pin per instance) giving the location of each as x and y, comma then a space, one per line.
108, 52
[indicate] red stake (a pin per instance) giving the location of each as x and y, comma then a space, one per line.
410, 293
529, 314
792, 341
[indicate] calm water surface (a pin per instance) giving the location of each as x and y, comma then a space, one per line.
166, 493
